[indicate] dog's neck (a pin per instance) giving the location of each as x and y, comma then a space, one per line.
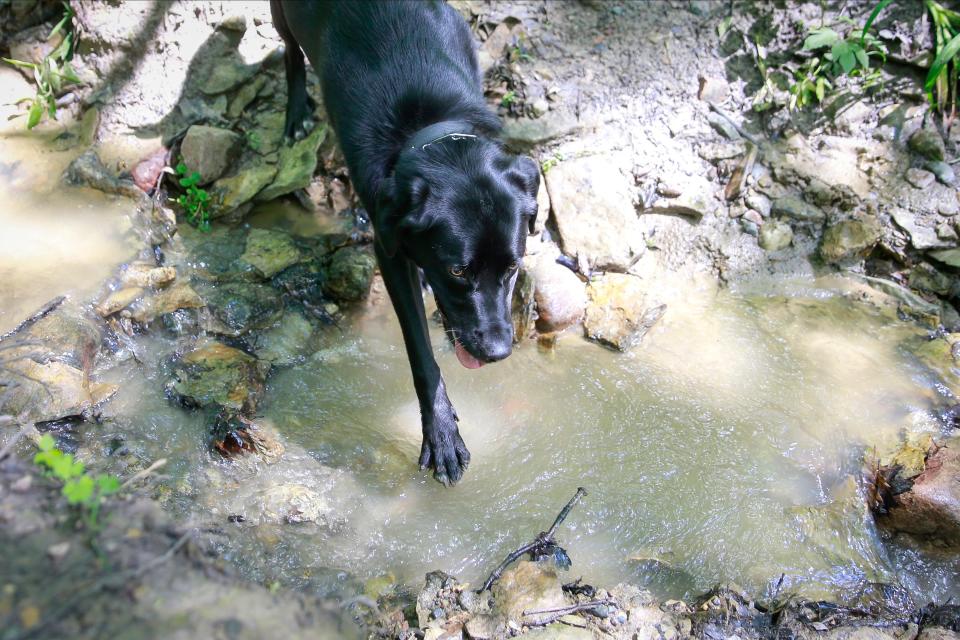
454, 130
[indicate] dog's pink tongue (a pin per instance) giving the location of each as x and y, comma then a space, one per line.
466, 359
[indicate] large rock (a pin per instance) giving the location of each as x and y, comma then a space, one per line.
930, 510
559, 294
850, 239
350, 273
270, 252
618, 311
50, 390
286, 342
214, 374
527, 586
922, 236
179, 295
593, 207
209, 151
296, 167
927, 143
144, 274
237, 308
775, 235
524, 133
797, 209
230, 193
523, 307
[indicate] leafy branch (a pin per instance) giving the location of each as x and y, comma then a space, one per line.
54, 72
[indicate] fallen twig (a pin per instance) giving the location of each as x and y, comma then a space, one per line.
543, 539
143, 473
559, 612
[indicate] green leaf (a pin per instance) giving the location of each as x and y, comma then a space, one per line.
79, 490
873, 16
822, 37
46, 442
181, 168
69, 74
36, 112
20, 63
948, 53
107, 485
843, 54
821, 89
724, 26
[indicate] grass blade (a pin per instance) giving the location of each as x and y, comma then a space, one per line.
873, 16
943, 58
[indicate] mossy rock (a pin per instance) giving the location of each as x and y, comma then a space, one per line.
350, 273
214, 374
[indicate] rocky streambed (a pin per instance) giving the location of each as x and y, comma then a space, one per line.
767, 393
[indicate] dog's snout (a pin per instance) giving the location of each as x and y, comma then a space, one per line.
495, 343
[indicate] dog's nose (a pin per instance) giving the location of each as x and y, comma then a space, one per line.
496, 343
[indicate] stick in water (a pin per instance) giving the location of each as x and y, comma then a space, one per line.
541, 540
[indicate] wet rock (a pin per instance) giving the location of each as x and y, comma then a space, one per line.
559, 294
304, 281
484, 627
296, 165
350, 273
523, 308
270, 252
759, 203
930, 510
775, 235
714, 152
921, 237
294, 503
524, 133
797, 209
920, 178
927, 143
144, 274
88, 170
50, 390
527, 586
228, 194
618, 311
239, 307
209, 151
244, 96
943, 171
64, 334
285, 343
147, 172
849, 239
593, 208
947, 231
926, 278
177, 296
950, 257
215, 374
119, 300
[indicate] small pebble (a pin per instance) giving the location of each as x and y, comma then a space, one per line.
437, 613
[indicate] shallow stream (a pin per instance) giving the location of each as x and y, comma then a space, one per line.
728, 446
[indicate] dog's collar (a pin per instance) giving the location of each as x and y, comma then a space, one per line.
455, 130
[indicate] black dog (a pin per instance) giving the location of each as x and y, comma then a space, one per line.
401, 86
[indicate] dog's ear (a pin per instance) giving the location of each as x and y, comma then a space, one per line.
399, 211
525, 174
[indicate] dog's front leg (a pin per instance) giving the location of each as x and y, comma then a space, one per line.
443, 449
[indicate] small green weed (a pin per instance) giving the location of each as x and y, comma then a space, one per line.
253, 140
550, 162
941, 84
508, 98
195, 201
79, 487
53, 72
836, 55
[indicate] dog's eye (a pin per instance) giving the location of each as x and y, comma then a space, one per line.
513, 266
457, 271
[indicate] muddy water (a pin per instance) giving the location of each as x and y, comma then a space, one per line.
54, 240
727, 446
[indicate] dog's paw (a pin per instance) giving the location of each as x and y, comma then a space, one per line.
443, 451
300, 121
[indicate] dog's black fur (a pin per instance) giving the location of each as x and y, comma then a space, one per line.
398, 78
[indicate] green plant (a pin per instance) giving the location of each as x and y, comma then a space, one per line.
550, 162
837, 55
195, 201
52, 73
508, 98
941, 84
79, 487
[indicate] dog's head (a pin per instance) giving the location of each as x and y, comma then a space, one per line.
461, 208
